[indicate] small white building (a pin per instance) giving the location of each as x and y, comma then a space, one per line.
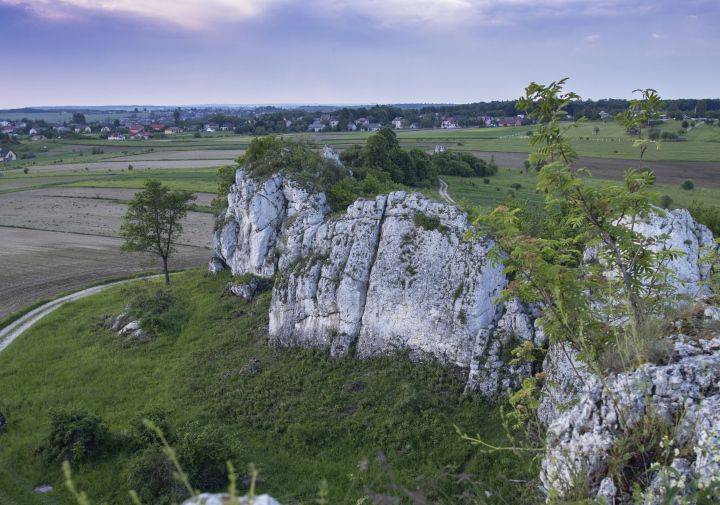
116, 136
7, 155
397, 122
352, 127
439, 149
449, 123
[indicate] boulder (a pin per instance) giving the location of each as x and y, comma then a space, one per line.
226, 499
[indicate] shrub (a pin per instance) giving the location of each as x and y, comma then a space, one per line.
197, 135
688, 184
26, 170
152, 475
130, 167
709, 216
510, 193
516, 185
486, 181
429, 223
75, 435
665, 201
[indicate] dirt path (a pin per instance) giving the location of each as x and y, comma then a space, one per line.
444, 193
14, 330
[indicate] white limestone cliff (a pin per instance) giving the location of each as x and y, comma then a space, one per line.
392, 274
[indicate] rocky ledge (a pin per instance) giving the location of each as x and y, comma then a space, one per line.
391, 274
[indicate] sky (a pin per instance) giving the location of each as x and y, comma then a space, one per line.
183, 52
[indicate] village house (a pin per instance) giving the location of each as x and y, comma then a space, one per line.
39, 137
510, 121
325, 117
8, 129
106, 128
4, 123
7, 155
486, 120
351, 127
372, 127
227, 126
333, 121
414, 126
35, 130
397, 122
82, 128
439, 149
157, 126
116, 136
61, 129
361, 121
210, 129
173, 129
288, 123
449, 123
316, 127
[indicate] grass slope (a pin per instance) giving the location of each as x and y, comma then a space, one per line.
302, 417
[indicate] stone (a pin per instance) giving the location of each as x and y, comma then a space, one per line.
43, 488
580, 440
607, 490
225, 499
130, 327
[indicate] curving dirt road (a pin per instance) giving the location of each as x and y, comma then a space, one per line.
14, 330
444, 193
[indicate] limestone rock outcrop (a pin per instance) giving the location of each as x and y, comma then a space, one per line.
391, 274
580, 440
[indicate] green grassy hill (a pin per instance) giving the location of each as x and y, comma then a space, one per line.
297, 414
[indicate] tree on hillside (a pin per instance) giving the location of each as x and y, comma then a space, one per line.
152, 222
79, 118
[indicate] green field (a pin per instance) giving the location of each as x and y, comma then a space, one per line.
300, 416
490, 195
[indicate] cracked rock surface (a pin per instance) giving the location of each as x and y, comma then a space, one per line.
375, 280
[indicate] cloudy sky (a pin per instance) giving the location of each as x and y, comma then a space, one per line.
180, 52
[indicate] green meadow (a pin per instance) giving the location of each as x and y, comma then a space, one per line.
209, 374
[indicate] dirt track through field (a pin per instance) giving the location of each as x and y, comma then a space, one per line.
704, 174
121, 165
227, 155
17, 328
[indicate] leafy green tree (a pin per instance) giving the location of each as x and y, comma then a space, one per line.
582, 302
685, 124
596, 130
78, 118
688, 184
177, 118
153, 221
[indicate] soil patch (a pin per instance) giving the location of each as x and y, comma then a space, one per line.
119, 165
95, 216
39, 264
704, 174
227, 155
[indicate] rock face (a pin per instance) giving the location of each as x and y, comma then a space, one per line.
392, 274
580, 441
